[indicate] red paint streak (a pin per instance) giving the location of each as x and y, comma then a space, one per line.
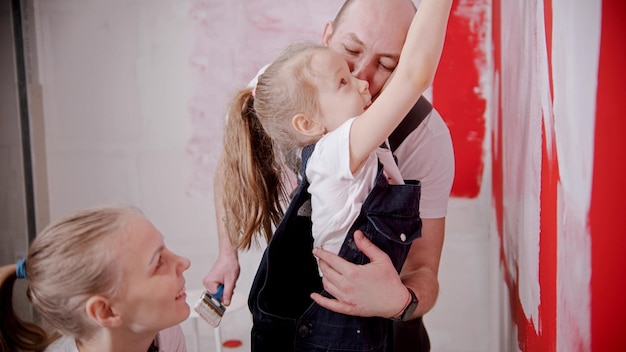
606, 214
548, 216
456, 97
528, 337
548, 242
496, 137
498, 176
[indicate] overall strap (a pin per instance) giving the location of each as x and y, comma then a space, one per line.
418, 113
306, 154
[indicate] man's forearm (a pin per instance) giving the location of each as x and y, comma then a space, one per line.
426, 287
422, 265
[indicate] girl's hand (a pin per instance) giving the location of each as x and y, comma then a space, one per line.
373, 289
225, 270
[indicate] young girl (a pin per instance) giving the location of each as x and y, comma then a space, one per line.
104, 281
309, 96
309, 100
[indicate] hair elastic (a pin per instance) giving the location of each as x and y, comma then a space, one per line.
20, 269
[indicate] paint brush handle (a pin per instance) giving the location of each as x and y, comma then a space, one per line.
220, 291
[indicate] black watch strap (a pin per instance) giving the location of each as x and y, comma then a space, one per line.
410, 309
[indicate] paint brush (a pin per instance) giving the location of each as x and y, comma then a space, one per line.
210, 306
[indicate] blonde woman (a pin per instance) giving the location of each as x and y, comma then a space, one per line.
104, 280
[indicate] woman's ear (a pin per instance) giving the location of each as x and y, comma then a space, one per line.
99, 309
307, 126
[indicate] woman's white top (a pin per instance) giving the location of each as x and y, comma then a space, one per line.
170, 340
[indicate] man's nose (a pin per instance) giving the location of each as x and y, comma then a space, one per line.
362, 72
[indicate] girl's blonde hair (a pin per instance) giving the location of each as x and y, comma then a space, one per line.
72, 259
260, 140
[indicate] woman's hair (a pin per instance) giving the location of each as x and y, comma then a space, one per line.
259, 140
70, 261
16, 333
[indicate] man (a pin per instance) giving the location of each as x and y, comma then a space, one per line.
370, 34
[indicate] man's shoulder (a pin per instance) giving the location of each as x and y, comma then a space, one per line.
420, 111
432, 130
430, 139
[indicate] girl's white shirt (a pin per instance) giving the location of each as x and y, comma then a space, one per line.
337, 194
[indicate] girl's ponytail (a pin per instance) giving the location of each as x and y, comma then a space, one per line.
253, 188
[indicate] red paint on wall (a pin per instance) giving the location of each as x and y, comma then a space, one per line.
528, 338
496, 136
457, 96
606, 224
548, 241
606, 214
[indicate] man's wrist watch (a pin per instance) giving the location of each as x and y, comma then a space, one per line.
408, 311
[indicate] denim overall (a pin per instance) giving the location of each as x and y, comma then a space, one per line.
285, 318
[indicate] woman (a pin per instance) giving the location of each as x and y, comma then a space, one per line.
104, 281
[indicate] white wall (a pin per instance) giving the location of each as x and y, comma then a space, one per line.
134, 94
116, 86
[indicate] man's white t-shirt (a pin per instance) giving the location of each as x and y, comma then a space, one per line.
427, 155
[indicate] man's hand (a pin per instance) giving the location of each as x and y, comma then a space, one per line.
373, 289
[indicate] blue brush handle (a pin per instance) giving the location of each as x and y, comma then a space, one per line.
220, 291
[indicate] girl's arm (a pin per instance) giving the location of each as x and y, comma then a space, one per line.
415, 72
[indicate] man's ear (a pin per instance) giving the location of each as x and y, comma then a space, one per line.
307, 126
328, 33
99, 309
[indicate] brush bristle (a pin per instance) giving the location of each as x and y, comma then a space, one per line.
210, 309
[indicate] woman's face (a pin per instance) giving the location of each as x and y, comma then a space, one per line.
152, 296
